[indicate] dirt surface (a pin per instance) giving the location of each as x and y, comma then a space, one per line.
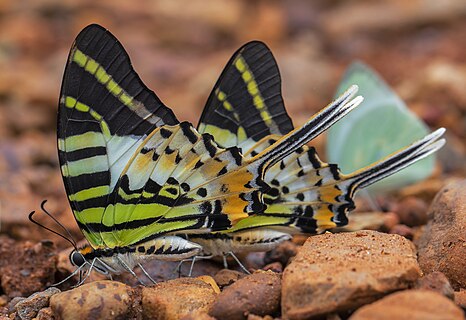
179, 49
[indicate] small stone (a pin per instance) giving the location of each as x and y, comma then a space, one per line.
390, 220
402, 230
197, 316
177, 298
339, 272
225, 277
436, 281
282, 253
276, 267
412, 211
29, 307
45, 314
442, 246
257, 293
3, 301
460, 298
96, 300
12, 304
410, 304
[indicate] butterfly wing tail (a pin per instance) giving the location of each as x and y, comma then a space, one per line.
311, 129
396, 161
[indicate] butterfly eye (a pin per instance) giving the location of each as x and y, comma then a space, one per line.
77, 259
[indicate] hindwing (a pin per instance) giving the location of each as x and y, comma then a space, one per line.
246, 104
105, 113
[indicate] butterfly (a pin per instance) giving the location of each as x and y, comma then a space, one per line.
136, 177
307, 195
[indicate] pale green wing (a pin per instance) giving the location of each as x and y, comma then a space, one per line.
381, 126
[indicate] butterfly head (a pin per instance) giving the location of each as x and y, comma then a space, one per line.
77, 259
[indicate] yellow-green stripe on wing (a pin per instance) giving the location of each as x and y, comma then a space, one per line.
246, 103
105, 112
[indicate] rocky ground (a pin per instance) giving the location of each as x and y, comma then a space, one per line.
408, 263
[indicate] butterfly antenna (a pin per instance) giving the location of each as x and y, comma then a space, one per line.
69, 238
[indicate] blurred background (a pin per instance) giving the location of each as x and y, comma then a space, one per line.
179, 49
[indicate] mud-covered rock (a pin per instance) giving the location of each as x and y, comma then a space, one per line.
96, 300
442, 245
436, 281
29, 307
177, 298
337, 272
410, 304
225, 277
26, 267
258, 293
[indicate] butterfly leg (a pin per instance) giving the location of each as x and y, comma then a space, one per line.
179, 265
127, 268
194, 260
225, 262
239, 262
146, 273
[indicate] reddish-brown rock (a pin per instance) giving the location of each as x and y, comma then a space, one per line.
177, 298
28, 308
460, 298
258, 293
442, 245
225, 277
412, 211
412, 305
282, 253
436, 281
337, 272
402, 230
96, 300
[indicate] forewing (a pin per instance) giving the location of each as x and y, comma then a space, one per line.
246, 103
105, 112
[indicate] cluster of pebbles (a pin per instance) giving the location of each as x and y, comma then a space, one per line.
349, 275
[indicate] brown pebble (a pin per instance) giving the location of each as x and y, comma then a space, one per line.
460, 298
225, 277
412, 211
29, 307
276, 267
177, 298
339, 272
410, 304
282, 253
402, 230
45, 314
95, 300
257, 293
442, 245
435, 281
